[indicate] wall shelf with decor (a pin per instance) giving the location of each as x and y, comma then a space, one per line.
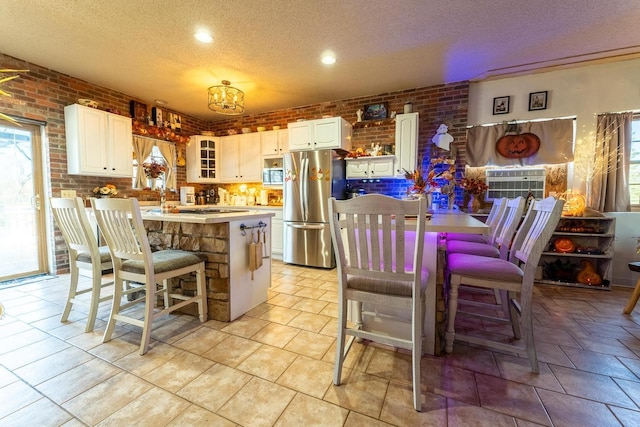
372, 123
579, 247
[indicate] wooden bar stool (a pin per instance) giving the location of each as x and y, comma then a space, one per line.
633, 266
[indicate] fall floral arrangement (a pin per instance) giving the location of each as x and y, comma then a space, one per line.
106, 191
154, 169
473, 186
420, 182
440, 175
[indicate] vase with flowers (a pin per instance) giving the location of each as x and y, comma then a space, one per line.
438, 178
154, 170
475, 188
108, 190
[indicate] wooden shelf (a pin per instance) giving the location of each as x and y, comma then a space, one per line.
603, 287
599, 233
373, 123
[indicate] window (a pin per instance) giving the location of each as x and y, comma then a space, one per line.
155, 167
634, 162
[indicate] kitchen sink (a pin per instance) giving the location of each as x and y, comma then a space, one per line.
202, 211
211, 211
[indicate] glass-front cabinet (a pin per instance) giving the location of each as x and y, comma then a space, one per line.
202, 159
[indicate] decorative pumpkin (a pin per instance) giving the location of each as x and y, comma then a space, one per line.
515, 145
564, 245
588, 274
575, 203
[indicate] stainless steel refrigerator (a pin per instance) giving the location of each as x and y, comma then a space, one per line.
311, 178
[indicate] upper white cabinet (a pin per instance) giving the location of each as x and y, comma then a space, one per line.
406, 142
98, 143
332, 132
274, 143
371, 167
240, 158
203, 165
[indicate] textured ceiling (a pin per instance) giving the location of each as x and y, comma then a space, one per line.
271, 49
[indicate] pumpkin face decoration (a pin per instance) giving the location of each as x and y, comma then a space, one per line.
574, 205
518, 146
564, 245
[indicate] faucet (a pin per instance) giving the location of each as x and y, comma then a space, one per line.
163, 197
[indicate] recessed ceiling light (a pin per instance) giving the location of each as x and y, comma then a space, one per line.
160, 101
328, 59
203, 36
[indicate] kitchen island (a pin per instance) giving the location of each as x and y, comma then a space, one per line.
222, 237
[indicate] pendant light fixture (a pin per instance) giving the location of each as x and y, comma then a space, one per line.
225, 99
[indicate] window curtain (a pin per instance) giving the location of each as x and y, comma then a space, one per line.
168, 151
556, 143
142, 147
609, 190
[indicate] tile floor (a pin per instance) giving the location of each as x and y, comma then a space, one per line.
274, 366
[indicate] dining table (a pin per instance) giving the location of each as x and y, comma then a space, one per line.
440, 222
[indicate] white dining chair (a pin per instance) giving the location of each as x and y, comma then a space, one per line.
121, 224
505, 229
492, 221
380, 251
503, 235
515, 276
84, 255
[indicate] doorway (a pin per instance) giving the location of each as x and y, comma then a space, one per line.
23, 251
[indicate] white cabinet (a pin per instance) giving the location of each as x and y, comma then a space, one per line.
277, 229
203, 163
332, 132
98, 143
240, 158
406, 142
371, 167
274, 143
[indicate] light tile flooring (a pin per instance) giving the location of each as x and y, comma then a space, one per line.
274, 366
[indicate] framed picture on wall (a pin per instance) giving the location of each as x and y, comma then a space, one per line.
138, 110
501, 105
375, 111
538, 101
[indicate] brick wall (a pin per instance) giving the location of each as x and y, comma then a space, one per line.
436, 105
42, 94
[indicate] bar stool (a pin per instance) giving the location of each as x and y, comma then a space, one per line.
84, 254
633, 299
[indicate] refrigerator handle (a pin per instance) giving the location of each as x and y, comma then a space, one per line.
304, 188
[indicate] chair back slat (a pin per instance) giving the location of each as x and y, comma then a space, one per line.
535, 232
370, 234
122, 227
507, 229
73, 223
496, 214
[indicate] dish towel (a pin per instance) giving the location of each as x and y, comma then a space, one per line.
255, 254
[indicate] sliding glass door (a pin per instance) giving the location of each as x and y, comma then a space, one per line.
22, 217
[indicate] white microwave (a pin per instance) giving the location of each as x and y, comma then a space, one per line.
273, 176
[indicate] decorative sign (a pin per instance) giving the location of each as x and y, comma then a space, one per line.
138, 110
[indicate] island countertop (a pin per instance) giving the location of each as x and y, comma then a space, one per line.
203, 216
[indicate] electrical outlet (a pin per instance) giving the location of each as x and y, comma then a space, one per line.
68, 194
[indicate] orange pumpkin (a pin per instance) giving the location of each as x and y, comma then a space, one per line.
564, 245
588, 275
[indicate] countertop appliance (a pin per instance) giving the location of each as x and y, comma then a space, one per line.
311, 178
187, 196
272, 176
